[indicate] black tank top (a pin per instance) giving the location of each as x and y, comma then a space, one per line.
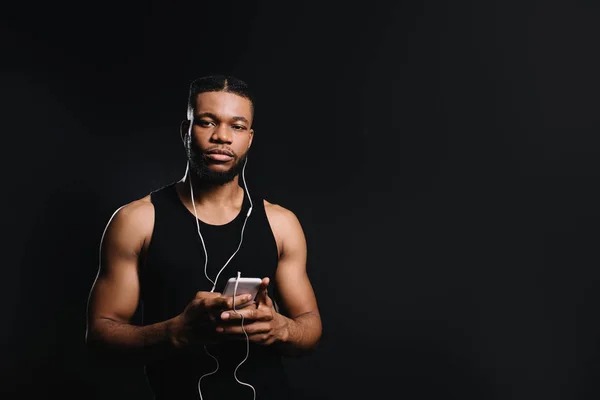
172, 274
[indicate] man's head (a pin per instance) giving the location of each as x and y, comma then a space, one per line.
218, 132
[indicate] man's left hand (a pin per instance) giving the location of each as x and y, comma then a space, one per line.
262, 323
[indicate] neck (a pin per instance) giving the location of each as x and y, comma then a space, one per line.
210, 194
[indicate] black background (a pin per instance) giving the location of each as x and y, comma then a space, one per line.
443, 158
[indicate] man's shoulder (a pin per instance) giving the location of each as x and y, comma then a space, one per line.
139, 212
286, 227
277, 210
279, 216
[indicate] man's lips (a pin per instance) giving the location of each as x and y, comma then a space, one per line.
220, 155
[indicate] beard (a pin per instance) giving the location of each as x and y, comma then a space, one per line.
200, 167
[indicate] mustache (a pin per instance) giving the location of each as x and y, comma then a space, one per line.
221, 150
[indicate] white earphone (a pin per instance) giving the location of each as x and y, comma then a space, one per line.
188, 142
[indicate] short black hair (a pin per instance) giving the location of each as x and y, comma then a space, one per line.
218, 83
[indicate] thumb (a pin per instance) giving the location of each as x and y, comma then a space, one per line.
263, 297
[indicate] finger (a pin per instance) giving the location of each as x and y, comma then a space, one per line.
255, 328
197, 307
249, 313
206, 295
258, 338
199, 313
226, 303
242, 300
263, 297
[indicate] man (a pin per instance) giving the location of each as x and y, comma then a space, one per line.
174, 250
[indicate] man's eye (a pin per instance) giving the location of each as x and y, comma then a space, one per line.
203, 123
239, 127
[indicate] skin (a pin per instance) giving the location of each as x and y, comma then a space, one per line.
221, 120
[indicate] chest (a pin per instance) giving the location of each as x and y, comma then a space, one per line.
180, 262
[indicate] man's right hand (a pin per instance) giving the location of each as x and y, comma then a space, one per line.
196, 325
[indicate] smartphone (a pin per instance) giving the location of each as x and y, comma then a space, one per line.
245, 286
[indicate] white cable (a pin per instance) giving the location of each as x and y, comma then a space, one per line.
209, 373
247, 340
240, 245
217, 278
199, 234
202, 239
246, 186
243, 227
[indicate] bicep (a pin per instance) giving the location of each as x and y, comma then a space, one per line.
115, 293
293, 283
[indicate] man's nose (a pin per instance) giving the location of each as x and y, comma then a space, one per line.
222, 134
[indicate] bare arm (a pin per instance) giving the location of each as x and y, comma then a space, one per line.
299, 330
115, 294
303, 326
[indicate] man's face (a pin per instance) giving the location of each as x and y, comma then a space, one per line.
220, 136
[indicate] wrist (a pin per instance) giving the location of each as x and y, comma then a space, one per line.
284, 331
173, 332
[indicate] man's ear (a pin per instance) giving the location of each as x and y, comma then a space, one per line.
184, 129
251, 137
